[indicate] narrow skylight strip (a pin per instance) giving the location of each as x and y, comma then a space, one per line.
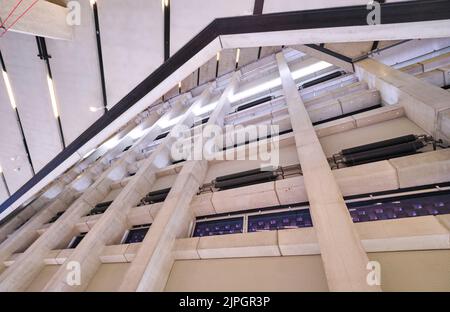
308, 70
52, 96
302, 72
9, 90
204, 109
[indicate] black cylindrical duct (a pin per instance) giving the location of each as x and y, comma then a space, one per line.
383, 153
377, 145
254, 103
263, 176
238, 175
321, 79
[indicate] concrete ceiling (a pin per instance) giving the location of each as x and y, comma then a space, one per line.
132, 42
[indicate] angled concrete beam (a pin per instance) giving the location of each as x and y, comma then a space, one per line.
113, 223
151, 267
343, 256
425, 104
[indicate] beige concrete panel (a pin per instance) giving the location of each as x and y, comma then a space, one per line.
382, 114
373, 177
359, 100
11, 259
444, 220
140, 215
298, 242
335, 126
114, 253
108, 277
417, 233
131, 251
243, 198
258, 244
413, 69
63, 255
326, 110
435, 77
186, 248
422, 169
303, 273
42, 278
154, 209
435, 62
291, 191
425, 270
51, 257
202, 204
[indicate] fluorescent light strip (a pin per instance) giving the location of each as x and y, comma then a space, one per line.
302, 72
166, 122
9, 90
204, 109
111, 143
52, 96
308, 70
238, 54
136, 133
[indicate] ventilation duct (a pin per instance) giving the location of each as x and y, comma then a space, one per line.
392, 148
254, 103
161, 136
245, 178
155, 197
56, 217
321, 79
100, 208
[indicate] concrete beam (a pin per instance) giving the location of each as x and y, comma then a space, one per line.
343, 255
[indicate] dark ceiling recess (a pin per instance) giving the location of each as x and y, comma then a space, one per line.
392, 13
100, 56
19, 122
166, 30
43, 55
258, 8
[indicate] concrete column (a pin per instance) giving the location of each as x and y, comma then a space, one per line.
343, 256
22, 272
425, 104
28, 232
151, 267
113, 223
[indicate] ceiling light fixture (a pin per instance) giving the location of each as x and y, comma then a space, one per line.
52, 96
136, 133
308, 70
166, 122
111, 143
204, 109
95, 108
9, 90
89, 153
238, 54
218, 56
302, 72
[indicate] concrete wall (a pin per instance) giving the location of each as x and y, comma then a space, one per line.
400, 271
303, 273
108, 277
